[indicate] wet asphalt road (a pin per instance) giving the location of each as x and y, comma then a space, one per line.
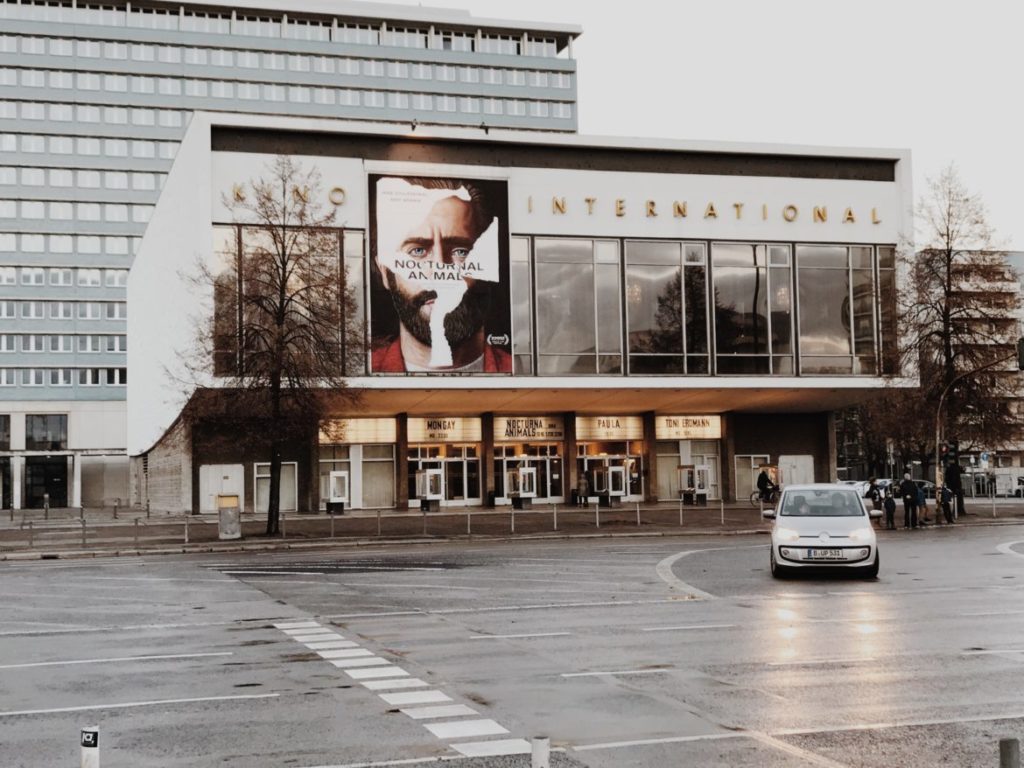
624, 651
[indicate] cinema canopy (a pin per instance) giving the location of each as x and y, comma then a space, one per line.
648, 304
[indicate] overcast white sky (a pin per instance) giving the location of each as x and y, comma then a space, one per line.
941, 78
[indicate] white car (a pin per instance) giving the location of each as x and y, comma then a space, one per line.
822, 526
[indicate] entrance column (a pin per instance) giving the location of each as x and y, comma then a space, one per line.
487, 460
569, 469
833, 453
728, 467
76, 480
650, 458
402, 461
17, 480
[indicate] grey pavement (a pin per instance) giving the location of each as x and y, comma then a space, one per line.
648, 652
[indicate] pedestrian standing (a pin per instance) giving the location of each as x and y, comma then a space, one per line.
955, 482
922, 506
908, 490
582, 490
890, 510
947, 505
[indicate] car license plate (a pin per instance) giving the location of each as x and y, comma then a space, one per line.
824, 554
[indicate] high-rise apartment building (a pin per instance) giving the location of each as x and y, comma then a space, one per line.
94, 101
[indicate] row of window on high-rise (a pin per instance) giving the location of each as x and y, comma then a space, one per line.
63, 310
275, 61
296, 94
65, 276
63, 343
67, 178
60, 112
320, 30
12, 242
63, 377
60, 210
88, 146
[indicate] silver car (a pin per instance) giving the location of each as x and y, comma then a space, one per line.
822, 525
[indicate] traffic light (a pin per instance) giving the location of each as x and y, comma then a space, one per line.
954, 451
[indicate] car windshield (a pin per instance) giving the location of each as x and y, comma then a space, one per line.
822, 503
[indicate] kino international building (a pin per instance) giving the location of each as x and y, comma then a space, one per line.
598, 311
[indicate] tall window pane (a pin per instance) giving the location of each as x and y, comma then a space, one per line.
741, 308
522, 306
566, 329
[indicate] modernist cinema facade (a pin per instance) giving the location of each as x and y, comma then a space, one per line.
611, 308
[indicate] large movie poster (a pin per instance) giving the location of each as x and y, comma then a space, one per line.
439, 301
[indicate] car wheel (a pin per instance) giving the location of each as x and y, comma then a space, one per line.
778, 571
871, 572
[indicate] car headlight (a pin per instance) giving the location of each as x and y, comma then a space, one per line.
787, 534
861, 534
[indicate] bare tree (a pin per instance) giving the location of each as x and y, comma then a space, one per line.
958, 310
285, 329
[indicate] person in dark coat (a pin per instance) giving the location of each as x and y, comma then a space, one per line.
765, 486
890, 510
873, 493
947, 505
908, 490
956, 485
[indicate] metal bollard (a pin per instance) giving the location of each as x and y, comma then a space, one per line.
540, 756
12, 513
1009, 753
554, 512
332, 525
83, 533
721, 506
147, 509
597, 514
187, 515
30, 535
638, 514
116, 504
680, 511
378, 522
281, 517
81, 512
424, 510
513, 517
469, 522
46, 506
136, 533
90, 741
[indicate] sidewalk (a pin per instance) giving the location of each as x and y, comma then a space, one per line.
95, 532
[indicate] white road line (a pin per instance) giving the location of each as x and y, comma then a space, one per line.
344, 653
668, 740
319, 637
369, 661
690, 626
451, 710
422, 585
120, 659
376, 672
396, 684
152, 578
132, 704
544, 606
992, 652
1008, 548
331, 644
618, 672
415, 697
790, 749
373, 615
899, 724
493, 748
993, 613
285, 626
814, 662
464, 729
664, 571
517, 637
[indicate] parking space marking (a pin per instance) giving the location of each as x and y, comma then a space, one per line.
394, 684
493, 748
377, 672
344, 653
415, 697
165, 657
518, 637
451, 710
463, 729
688, 627
134, 704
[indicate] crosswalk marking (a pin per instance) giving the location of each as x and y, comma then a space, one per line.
344, 653
493, 748
451, 710
461, 729
394, 684
415, 697
369, 661
376, 672
331, 644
